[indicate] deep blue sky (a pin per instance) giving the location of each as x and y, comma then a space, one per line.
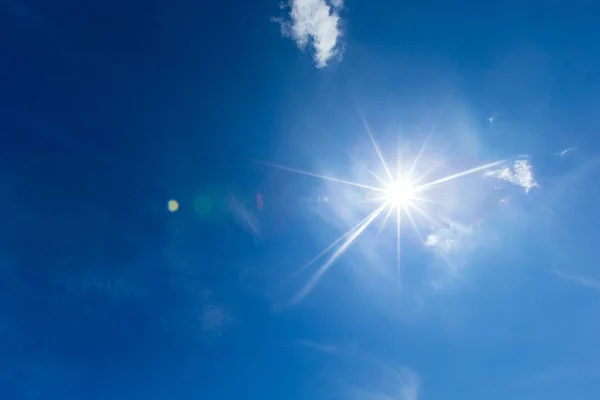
109, 109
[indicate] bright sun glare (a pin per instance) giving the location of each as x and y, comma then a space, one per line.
399, 195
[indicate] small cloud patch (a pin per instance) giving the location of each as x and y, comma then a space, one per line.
520, 173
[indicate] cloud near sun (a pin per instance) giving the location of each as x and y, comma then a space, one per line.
520, 173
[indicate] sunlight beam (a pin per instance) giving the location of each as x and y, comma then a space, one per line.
387, 170
414, 225
331, 246
398, 277
458, 175
426, 200
324, 177
325, 267
423, 213
380, 179
420, 153
429, 171
385, 220
399, 163
418, 157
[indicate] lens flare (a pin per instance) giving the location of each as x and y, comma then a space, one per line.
173, 205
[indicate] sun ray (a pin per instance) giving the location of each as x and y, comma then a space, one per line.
331, 246
324, 177
399, 165
420, 153
423, 213
326, 250
426, 200
429, 171
398, 276
381, 159
418, 157
385, 220
325, 267
414, 225
458, 175
369, 200
380, 179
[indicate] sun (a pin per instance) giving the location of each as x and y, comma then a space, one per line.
400, 194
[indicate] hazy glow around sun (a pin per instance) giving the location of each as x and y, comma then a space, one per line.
399, 195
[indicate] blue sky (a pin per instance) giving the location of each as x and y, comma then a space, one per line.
267, 124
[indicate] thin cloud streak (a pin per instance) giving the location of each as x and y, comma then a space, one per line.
566, 151
396, 384
577, 279
383, 381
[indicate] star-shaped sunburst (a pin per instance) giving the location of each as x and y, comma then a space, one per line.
401, 195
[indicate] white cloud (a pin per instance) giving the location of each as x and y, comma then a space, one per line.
315, 23
520, 174
580, 280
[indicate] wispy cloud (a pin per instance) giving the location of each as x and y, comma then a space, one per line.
442, 240
246, 219
315, 23
580, 280
322, 347
409, 384
454, 246
451, 243
397, 384
215, 318
520, 173
569, 373
564, 152
372, 378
